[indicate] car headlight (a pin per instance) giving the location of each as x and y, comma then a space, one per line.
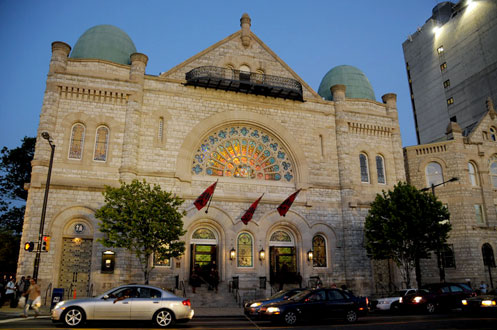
487, 303
273, 310
401, 300
418, 299
256, 304
464, 302
59, 305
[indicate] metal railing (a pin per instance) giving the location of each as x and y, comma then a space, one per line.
49, 288
182, 288
246, 82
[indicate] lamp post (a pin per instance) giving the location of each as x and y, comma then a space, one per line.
47, 137
440, 261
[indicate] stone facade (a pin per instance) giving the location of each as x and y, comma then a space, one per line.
156, 125
474, 190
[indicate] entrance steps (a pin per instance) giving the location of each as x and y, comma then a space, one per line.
203, 297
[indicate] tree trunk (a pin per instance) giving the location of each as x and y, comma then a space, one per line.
418, 271
146, 270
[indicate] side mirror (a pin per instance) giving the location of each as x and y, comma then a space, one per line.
106, 297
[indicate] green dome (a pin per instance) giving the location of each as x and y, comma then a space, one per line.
356, 82
104, 42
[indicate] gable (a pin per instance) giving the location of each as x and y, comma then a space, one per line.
480, 130
231, 53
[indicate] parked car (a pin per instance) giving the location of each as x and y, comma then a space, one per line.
126, 302
439, 296
392, 303
318, 304
251, 308
485, 303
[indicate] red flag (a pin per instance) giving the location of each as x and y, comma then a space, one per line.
287, 203
250, 212
203, 199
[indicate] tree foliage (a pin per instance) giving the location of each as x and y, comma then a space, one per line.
405, 225
15, 171
143, 219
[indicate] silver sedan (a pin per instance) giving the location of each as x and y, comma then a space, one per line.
126, 302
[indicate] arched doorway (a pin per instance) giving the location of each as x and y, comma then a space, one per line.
282, 258
203, 247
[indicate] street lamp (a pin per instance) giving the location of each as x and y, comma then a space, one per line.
441, 266
47, 137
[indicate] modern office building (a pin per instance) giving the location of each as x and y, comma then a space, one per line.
451, 63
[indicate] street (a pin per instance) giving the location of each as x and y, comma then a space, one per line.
440, 321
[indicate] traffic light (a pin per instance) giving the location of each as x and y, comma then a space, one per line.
29, 246
45, 245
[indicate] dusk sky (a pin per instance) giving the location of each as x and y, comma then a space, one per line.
310, 36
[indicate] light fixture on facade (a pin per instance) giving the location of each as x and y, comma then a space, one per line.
232, 254
262, 255
310, 255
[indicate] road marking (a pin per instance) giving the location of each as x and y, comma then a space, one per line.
23, 318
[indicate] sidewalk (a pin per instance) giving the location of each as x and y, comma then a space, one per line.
11, 313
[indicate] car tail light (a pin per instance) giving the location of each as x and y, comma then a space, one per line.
187, 302
367, 301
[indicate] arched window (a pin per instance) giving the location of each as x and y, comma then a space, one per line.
245, 247
434, 174
363, 162
473, 178
319, 251
243, 152
493, 134
101, 144
77, 141
380, 169
488, 255
493, 170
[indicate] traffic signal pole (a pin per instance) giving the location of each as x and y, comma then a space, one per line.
46, 136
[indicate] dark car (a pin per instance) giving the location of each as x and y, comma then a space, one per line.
434, 297
318, 304
251, 308
485, 303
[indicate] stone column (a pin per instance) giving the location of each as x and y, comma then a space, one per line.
131, 140
390, 101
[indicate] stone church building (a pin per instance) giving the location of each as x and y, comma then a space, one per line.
236, 113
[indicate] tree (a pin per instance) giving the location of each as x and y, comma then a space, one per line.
405, 225
15, 171
143, 219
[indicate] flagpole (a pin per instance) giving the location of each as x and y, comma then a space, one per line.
210, 198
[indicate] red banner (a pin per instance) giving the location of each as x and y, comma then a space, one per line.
203, 199
285, 206
250, 212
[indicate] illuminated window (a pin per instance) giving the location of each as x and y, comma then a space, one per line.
450, 101
434, 174
447, 83
443, 66
473, 179
440, 49
77, 141
363, 162
319, 251
243, 152
493, 171
480, 217
101, 144
245, 247
380, 169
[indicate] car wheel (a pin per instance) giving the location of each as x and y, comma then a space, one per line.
431, 308
351, 316
73, 317
163, 318
290, 318
395, 307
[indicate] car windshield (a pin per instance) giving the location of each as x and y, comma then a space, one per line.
300, 295
280, 294
399, 293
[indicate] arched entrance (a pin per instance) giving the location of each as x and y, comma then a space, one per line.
203, 247
282, 258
